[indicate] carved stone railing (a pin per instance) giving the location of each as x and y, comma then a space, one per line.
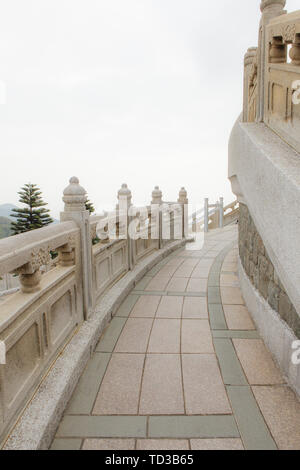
282, 77
213, 216
57, 295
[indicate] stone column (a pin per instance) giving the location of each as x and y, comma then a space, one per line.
74, 198
206, 209
221, 212
124, 219
183, 200
156, 215
270, 9
248, 64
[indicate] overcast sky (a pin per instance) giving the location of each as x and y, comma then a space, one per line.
112, 91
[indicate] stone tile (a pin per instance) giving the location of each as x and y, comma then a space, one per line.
162, 444
146, 306
195, 307
216, 317
232, 296
66, 444
257, 362
214, 295
111, 334
199, 273
216, 444
175, 262
229, 280
204, 390
214, 279
281, 410
166, 271
238, 317
142, 284
192, 426
254, 431
119, 391
135, 335
196, 337
165, 336
127, 306
191, 262
162, 386
229, 266
251, 334
108, 444
177, 284
103, 426
197, 285
170, 307
158, 284
85, 393
184, 271
231, 369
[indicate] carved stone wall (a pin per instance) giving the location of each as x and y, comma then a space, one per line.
260, 271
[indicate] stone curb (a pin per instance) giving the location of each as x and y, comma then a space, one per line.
37, 425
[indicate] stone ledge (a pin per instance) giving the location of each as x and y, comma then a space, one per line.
37, 425
274, 331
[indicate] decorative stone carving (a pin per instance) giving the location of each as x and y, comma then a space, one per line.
74, 196
156, 196
289, 32
183, 196
272, 4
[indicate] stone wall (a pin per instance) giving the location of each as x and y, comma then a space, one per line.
261, 272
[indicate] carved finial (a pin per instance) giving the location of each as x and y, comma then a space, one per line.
156, 196
125, 193
183, 196
74, 196
272, 4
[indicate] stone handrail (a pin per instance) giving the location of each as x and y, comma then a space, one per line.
213, 216
58, 295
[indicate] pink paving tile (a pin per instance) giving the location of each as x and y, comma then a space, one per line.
195, 307
238, 317
196, 337
158, 284
162, 444
162, 386
203, 386
216, 444
202, 272
146, 306
177, 284
165, 336
257, 362
135, 335
170, 307
120, 388
229, 280
231, 296
166, 271
197, 285
184, 271
108, 444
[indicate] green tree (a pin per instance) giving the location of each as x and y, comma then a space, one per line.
89, 206
34, 215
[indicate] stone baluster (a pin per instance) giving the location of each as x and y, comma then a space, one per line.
124, 219
221, 212
269, 9
295, 51
74, 197
277, 51
183, 200
156, 215
249, 60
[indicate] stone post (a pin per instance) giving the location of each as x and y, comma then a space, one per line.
124, 219
270, 9
74, 198
156, 214
183, 200
221, 212
206, 207
248, 64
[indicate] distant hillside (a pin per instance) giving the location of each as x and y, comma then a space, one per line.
5, 209
5, 227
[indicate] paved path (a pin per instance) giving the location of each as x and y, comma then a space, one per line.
181, 366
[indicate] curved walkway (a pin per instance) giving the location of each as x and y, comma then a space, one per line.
181, 366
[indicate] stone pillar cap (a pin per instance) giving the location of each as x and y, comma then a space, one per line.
271, 3
124, 191
74, 196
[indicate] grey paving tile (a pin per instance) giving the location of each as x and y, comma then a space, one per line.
214, 295
111, 334
66, 444
192, 426
217, 317
83, 398
231, 368
102, 426
127, 305
214, 279
253, 429
249, 334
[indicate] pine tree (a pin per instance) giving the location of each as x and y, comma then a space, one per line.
35, 215
89, 206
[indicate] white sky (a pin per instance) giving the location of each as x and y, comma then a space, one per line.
112, 91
